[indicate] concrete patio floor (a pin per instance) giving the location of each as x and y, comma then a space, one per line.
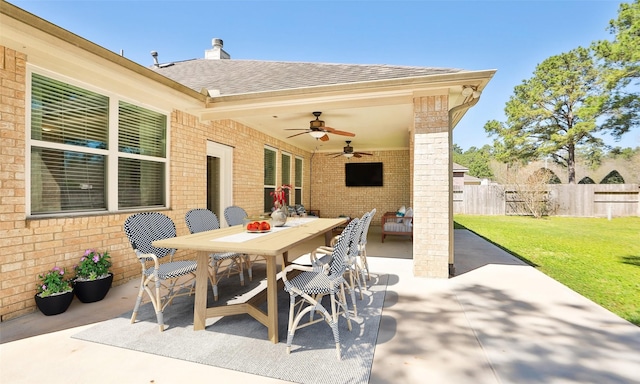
497, 321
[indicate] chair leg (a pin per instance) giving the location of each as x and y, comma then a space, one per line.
247, 259
138, 300
158, 306
214, 278
334, 324
365, 264
290, 330
240, 265
355, 270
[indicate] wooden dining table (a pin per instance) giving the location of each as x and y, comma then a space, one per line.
269, 245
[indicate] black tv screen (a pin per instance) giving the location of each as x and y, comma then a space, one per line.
363, 174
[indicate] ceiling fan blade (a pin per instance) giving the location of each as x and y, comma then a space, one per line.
325, 137
364, 153
337, 155
296, 129
357, 155
297, 134
342, 133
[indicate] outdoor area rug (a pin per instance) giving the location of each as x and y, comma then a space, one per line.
240, 343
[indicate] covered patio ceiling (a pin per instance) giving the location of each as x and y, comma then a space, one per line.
379, 113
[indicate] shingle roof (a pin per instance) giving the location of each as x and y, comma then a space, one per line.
248, 76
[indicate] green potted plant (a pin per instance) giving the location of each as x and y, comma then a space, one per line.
93, 279
55, 292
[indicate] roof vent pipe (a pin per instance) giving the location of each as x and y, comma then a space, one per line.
154, 54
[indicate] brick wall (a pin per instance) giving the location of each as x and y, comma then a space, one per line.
330, 195
31, 247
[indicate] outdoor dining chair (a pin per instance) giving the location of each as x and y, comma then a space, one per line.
362, 247
235, 215
200, 220
143, 229
355, 265
308, 287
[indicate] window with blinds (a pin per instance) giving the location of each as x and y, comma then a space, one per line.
298, 180
70, 152
286, 175
141, 182
269, 177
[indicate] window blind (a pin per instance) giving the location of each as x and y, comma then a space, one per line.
269, 178
141, 131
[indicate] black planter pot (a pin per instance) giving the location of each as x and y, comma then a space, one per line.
92, 290
55, 304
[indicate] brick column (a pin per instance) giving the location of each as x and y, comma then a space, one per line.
432, 184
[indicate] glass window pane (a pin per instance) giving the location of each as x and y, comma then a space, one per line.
286, 169
66, 181
268, 199
298, 173
269, 167
140, 183
141, 131
298, 194
63, 113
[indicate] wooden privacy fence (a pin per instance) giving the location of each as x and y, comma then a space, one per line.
586, 200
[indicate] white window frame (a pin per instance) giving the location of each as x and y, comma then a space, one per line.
112, 154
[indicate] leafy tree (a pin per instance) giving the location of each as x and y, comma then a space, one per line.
591, 156
625, 153
586, 180
545, 174
614, 177
552, 113
620, 60
477, 160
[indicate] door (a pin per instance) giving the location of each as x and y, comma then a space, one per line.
219, 179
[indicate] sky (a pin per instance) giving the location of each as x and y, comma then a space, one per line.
512, 37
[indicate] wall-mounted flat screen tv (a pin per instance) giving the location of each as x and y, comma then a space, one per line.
363, 174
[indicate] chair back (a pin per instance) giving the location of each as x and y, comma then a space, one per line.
234, 215
201, 219
355, 244
144, 228
339, 260
365, 230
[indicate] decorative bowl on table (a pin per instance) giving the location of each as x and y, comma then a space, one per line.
257, 225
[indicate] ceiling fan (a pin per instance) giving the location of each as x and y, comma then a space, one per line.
348, 152
318, 130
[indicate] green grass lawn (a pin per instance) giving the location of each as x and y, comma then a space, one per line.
596, 257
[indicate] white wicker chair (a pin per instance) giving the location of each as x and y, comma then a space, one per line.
308, 287
143, 229
200, 220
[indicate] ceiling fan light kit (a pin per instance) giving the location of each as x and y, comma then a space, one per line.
317, 129
348, 152
317, 134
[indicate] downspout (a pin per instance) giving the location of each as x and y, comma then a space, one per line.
475, 97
